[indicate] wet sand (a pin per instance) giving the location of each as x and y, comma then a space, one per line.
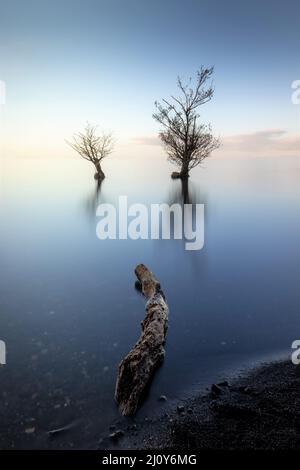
260, 410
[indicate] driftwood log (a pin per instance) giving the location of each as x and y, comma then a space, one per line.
137, 368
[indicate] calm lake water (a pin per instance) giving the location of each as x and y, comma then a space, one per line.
69, 310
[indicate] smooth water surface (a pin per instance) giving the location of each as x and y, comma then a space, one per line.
69, 310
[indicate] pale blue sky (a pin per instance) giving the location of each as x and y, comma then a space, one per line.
107, 61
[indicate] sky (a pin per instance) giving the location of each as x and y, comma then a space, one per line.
106, 61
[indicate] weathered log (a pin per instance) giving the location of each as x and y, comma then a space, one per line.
137, 368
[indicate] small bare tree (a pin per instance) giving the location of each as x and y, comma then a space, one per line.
93, 147
187, 142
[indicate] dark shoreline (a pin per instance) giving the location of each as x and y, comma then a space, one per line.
260, 410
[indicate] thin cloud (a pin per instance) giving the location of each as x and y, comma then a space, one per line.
270, 142
152, 140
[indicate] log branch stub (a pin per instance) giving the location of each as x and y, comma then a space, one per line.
138, 367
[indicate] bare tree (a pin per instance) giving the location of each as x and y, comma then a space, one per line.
93, 147
187, 142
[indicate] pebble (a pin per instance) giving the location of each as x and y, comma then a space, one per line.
215, 389
245, 389
162, 398
132, 427
223, 384
117, 434
180, 408
30, 430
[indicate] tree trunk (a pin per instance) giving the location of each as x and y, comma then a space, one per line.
184, 172
99, 175
137, 368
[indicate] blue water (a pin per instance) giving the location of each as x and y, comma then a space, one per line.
69, 310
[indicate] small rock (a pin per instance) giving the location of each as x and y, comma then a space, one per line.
162, 398
132, 427
30, 430
245, 389
180, 408
190, 410
223, 384
116, 435
216, 390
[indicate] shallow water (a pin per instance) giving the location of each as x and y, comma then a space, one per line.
69, 310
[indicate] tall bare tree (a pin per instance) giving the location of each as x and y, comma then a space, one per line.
93, 147
187, 142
